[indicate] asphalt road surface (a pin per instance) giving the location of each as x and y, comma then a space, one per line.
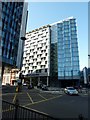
56, 105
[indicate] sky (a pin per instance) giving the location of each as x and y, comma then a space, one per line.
43, 13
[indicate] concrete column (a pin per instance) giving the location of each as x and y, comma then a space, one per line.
30, 80
47, 81
38, 79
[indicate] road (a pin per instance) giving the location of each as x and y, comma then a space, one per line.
58, 105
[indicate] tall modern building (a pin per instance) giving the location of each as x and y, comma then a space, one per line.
51, 53
36, 54
89, 42
0, 30
14, 19
64, 52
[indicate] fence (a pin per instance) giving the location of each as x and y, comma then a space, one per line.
12, 111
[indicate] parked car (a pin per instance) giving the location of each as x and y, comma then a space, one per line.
30, 86
7, 84
71, 91
78, 87
39, 85
44, 87
24, 84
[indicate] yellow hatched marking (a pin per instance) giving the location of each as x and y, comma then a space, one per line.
42, 101
30, 98
42, 97
8, 110
14, 98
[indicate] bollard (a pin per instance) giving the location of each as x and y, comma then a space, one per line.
16, 109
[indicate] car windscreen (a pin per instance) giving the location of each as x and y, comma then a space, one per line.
71, 89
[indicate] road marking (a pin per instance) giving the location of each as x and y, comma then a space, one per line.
42, 97
37, 111
8, 110
42, 101
30, 98
14, 98
11, 93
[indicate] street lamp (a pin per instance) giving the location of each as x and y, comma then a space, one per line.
21, 75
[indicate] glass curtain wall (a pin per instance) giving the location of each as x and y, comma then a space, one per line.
68, 58
53, 53
11, 22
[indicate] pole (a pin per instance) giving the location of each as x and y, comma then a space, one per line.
30, 80
38, 79
16, 109
47, 81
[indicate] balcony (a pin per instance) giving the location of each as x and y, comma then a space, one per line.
34, 64
35, 56
30, 61
31, 47
38, 59
43, 63
26, 65
30, 68
39, 45
46, 66
44, 40
27, 58
38, 67
31, 53
24, 62
35, 50
23, 68
28, 51
44, 48
39, 52
43, 55
24, 55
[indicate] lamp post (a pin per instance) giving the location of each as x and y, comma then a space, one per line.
23, 39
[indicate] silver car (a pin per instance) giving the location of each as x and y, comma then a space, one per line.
71, 91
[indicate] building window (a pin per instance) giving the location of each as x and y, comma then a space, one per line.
45, 70
45, 54
40, 70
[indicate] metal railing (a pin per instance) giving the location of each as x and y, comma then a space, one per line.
12, 111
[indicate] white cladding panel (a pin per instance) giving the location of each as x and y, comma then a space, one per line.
36, 52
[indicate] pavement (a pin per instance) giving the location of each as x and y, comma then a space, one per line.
55, 90
52, 90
